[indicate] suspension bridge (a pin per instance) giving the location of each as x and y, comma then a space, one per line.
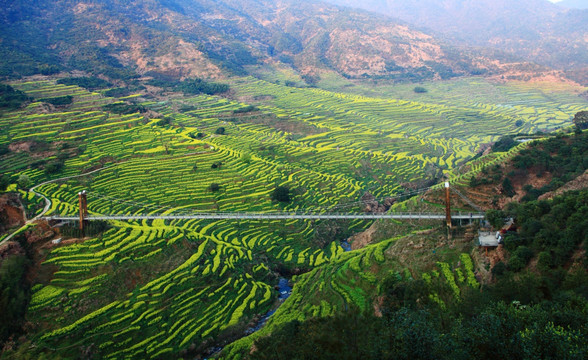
85, 216
273, 216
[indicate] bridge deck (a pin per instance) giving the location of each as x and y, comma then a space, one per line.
275, 216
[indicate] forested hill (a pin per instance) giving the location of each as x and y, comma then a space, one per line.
210, 39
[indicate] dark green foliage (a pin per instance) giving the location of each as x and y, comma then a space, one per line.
4, 182
246, 109
564, 158
216, 165
197, 135
60, 101
214, 187
420, 90
555, 227
499, 269
492, 325
4, 149
118, 92
11, 98
14, 295
504, 144
519, 123
311, 79
220, 131
124, 108
54, 167
23, 182
281, 194
190, 86
520, 258
507, 188
495, 218
199, 86
581, 120
90, 83
164, 122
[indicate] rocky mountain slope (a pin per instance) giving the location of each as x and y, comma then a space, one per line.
211, 38
536, 30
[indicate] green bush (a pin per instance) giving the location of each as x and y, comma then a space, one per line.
60, 101
281, 194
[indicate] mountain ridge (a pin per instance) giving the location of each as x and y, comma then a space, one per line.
536, 30
208, 39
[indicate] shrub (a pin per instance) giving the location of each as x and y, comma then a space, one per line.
516, 264
214, 187
420, 90
499, 269
220, 131
281, 194
507, 188
60, 101
504, 144
23, 182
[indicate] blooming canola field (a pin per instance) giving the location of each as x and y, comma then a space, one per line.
151, 289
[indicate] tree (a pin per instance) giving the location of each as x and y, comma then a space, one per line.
581, 120
507, 188
4, 182
220, 131
495, 218
504, 144
281, 194
23, 182
214, 187
420, 90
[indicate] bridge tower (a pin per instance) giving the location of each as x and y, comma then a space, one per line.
447, 206
83, 205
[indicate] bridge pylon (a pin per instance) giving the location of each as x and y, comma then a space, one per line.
83, 205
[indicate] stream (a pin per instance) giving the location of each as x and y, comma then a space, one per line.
285, 290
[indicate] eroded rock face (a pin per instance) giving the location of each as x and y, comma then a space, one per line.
11, 212
371, 205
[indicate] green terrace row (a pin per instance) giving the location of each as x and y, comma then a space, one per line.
196, 299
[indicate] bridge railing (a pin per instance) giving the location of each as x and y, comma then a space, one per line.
275, 215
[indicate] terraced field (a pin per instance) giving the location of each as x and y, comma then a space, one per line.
152, 289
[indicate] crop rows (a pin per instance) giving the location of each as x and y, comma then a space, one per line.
150, 289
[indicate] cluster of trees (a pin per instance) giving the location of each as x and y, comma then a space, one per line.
189, 86
90, 83
548, 229
564, 158
581, 120
517, 318
124, 108
281, 194
14, 290
504, 144
12, 99
60, 100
